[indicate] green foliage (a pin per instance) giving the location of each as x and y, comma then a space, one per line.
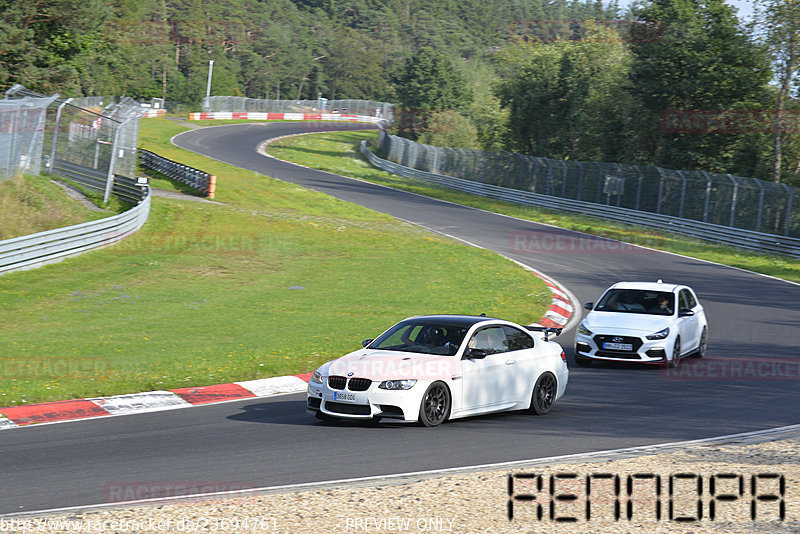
703, 61
566, 99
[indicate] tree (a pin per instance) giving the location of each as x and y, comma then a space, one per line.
780, 21
428, 84
702, 61
566, 99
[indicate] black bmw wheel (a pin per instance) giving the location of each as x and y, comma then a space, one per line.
544, 394
435, 407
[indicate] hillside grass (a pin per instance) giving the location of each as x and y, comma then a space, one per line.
275, 281
31, 204
337, 152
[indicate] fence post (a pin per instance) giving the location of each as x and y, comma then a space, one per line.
112, 163
683, 193
708, 196
788, 210
760, 204
734, 197
639, 187
55, 134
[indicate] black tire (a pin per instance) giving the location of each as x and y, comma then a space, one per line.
583, 362
544, 394
701, 348
676, 354
435, 406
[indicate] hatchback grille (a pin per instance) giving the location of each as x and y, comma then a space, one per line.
616, 354
349, 409
359, 384
635, 342
336, 382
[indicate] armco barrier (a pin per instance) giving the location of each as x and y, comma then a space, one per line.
760, 242
53, 245
195, 178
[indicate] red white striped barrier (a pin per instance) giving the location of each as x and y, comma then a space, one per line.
264, 116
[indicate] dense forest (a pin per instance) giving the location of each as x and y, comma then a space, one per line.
676, 83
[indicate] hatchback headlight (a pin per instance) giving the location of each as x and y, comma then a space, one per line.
583, 330
316, 378
661, 334
397, 384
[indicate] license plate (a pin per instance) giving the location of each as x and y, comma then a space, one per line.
618, 346
342, 396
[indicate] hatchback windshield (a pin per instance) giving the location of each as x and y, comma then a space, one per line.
637, 301
422, 336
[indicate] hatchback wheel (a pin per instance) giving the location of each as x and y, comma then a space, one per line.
676, 354
701, 348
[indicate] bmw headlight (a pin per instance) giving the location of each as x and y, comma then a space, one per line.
316, 378
397, 384
661, 334
582, 329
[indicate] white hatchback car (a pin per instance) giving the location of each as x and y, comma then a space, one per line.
643, 322
433, 368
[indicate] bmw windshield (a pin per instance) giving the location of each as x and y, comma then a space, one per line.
422, 336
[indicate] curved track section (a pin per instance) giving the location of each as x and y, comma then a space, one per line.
271, 442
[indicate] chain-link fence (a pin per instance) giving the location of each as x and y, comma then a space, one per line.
90, 140
88, 131
715, 198
239, 104
23, 120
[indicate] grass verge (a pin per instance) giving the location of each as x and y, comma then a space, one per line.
31, 204
337, 152
275, 281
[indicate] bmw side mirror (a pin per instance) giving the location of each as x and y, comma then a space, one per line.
589, 305
366, 342
685, 313
476, 354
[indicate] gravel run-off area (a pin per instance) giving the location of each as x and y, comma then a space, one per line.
656, 489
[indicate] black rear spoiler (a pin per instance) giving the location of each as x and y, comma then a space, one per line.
546, 329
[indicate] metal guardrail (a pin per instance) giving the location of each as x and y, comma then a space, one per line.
125, 188
195, 178
34, 250
736, 237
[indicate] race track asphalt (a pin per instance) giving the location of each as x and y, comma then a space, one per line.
270, 442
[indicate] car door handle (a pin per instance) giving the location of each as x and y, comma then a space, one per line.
511, 362
455, 377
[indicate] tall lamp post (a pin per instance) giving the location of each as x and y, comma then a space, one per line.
210, 70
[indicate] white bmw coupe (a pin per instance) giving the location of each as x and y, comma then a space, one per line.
433, 368
643, 322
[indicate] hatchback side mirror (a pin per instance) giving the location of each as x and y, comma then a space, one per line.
366, 342
589, 305
685, 313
